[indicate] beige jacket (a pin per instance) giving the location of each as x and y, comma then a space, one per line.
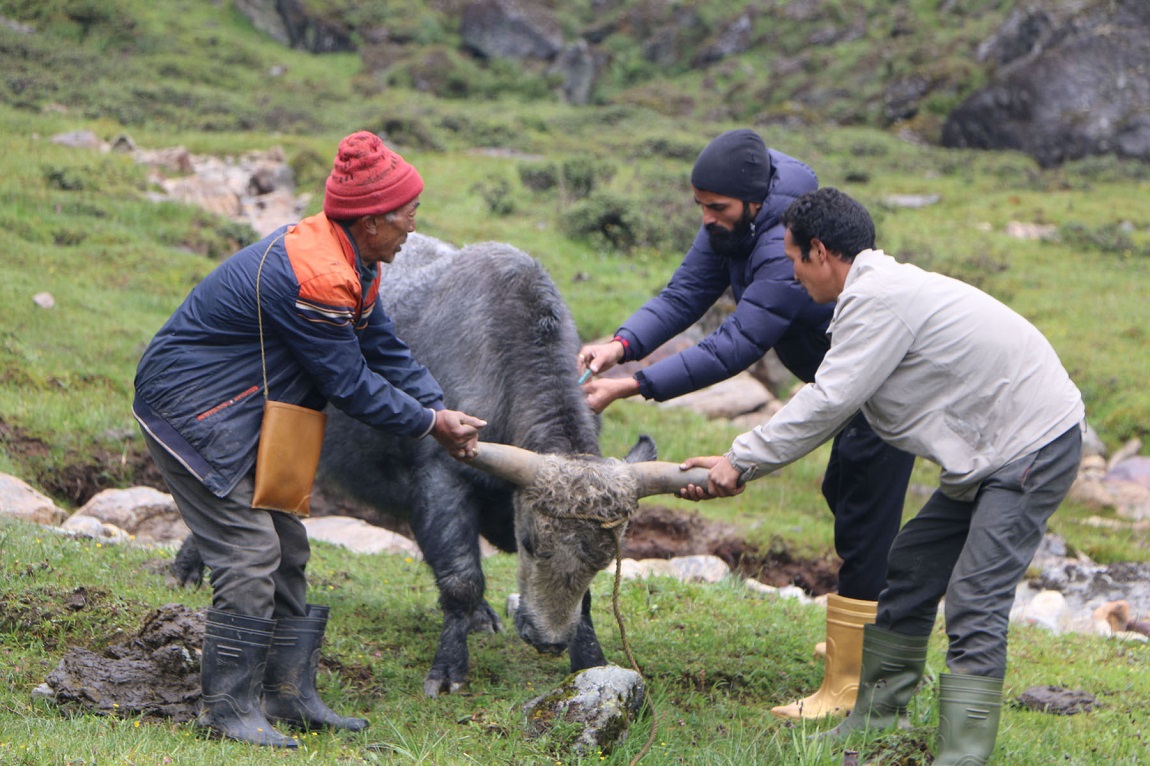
939, 368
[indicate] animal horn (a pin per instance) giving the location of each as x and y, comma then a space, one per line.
659, 477
519, 466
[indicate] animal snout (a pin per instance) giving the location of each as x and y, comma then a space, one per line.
534, 637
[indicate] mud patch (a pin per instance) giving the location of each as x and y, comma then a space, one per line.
154, 674
1057, 700
49, 613
658, 532
78, 476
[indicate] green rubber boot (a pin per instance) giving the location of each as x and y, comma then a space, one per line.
892, 666
968, 711
235, 651
290, 695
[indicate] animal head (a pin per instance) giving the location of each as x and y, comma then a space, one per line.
569, 512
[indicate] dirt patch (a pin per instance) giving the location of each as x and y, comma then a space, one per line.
1057, 700
156, 673
80, 475
658, 532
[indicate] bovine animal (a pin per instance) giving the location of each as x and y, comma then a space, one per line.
494, 331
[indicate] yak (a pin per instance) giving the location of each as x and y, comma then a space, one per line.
491, 326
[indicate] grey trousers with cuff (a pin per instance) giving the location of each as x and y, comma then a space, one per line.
975, 553
257, 558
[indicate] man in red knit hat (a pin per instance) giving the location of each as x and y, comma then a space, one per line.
297, 312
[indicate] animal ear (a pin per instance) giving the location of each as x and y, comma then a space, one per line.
644, 449
516, 465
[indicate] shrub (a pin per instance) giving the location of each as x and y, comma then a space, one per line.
582, 175
539, 176
496, 194
1110, 238
605, 220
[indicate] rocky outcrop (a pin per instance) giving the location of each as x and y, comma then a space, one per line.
293, 24
510, 29
1070, 80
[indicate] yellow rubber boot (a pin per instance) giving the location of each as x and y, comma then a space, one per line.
845, 620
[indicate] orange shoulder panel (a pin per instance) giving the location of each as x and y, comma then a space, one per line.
323, 260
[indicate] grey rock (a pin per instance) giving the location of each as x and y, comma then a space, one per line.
602, 702
1073, 81
510, 29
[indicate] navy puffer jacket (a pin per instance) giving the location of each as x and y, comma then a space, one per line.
772, 308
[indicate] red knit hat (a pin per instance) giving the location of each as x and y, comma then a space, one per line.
368, 179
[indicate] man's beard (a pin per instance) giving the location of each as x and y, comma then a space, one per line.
731, 243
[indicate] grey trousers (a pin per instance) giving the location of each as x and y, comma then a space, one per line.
975, 554
257, 558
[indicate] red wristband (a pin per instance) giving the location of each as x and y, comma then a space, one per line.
626, 347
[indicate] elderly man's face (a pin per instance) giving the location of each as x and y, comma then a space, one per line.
385, 234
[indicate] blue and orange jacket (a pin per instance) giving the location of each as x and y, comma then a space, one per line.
200, 382
772, 309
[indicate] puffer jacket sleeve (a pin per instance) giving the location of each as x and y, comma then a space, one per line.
770, 303
698, 282
389, 356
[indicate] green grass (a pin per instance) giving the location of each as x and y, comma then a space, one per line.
714, 658
79, 225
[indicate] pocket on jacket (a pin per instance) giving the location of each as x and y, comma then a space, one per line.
228, 403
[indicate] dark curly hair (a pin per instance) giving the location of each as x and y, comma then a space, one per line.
840, 222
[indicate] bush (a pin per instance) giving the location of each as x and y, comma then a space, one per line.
1112, 238
496, 194
612, 221
539, 176
605, 220
582, 175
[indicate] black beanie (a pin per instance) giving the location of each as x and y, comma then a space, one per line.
735, 165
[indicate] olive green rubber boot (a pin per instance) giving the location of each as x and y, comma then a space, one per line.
235, 651
892, 666
968, 712
290, 695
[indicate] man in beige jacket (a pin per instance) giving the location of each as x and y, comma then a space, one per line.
944, 371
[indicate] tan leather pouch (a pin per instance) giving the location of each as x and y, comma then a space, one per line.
290, 441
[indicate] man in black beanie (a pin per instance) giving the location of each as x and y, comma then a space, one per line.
742, 188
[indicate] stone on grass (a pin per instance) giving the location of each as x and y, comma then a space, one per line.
19, 501
599, 703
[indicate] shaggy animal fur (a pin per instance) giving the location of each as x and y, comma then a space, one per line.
568, 523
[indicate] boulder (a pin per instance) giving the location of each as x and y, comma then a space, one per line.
726, 399
359, 536
1071, 80
19, 501
509, 29
295, 24
600, 702
148, 516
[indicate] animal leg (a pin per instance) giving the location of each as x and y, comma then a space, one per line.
448, 534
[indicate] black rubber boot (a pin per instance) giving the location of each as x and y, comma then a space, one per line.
290, 695
235, 652
968, 713
892, 666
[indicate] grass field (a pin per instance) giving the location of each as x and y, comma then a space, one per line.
81, 226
